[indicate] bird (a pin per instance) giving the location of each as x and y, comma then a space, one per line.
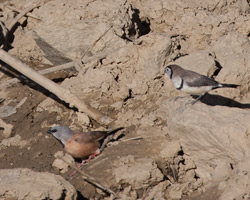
192, 82
80, 145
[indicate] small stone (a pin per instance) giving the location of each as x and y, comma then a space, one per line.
26, 184
83, 118
7, 129
60, 164
129, 173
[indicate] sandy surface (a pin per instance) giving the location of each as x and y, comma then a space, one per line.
179, 150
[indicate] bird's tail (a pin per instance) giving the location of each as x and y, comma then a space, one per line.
110, 131
229, 85
99, 135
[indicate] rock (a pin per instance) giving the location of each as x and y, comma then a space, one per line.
7, 129
26, 184
90, 30
202, 18
128, 173
230, 191
157, 192
127, 24
127, 193
176, 191
171, 149
95, 78
83, 118
27, 48
137, 86
14, 141
117, 105
154, 50
231, 55
235, 62
212, 143
121, 93
48, 104
6, 111
60, 164
199, 61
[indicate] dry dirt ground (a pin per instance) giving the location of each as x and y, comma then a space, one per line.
179, 150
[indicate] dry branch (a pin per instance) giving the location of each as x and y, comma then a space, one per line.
57, 68
89, 179
59, 91
69, 65
10, 82
98, 39
21, 14
19, 11
134, 138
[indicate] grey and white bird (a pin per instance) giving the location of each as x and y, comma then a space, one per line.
193, 83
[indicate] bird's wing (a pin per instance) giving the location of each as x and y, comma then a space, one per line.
89, 137
194, 79
94, 136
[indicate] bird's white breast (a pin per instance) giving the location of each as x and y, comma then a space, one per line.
180, 84
177, 81
196, 90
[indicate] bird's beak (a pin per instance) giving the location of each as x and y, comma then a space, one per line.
49, 131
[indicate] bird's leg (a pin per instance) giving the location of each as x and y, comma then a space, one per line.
84, 162
182, 97
97, 152
79, 167
198, 98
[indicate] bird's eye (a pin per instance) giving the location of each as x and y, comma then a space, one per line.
168, 70
53, 130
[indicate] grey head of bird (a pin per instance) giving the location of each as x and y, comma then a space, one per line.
170, 69
62, 133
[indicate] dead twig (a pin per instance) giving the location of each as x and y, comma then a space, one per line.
57, 68
18, 17
98, 39
10, 82
89, 179
19, 11
133, 138
69, 65
51, 86
24, 12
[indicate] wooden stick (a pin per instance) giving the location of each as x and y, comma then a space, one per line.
19, 11
59, 91
12, 81
98, 56
134, 138
89, 179
57, 68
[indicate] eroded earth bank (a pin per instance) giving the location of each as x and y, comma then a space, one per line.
169, 149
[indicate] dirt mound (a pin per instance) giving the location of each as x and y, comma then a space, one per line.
170, 149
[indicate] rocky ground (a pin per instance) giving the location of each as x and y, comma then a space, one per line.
170, 149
